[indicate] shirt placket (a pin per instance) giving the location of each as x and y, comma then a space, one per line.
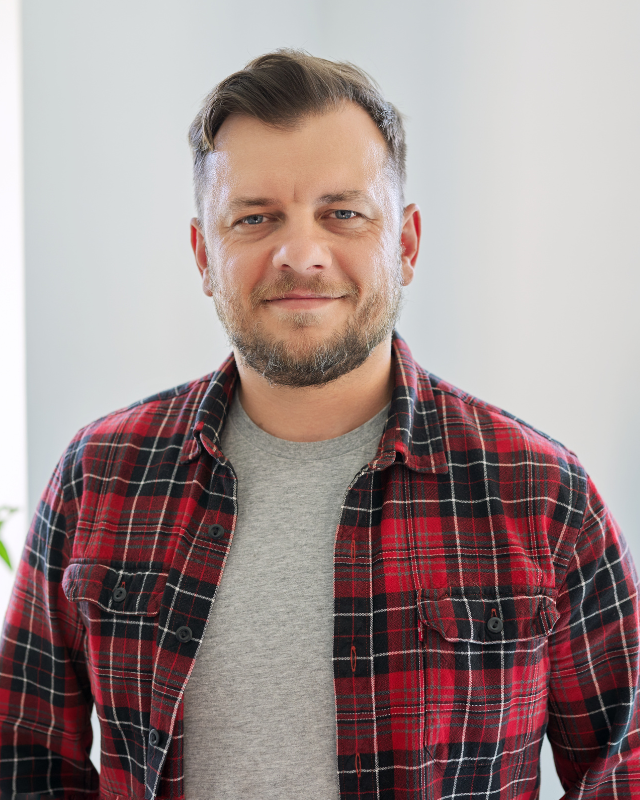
194, 576
353, 648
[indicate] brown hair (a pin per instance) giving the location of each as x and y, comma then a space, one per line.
280, 88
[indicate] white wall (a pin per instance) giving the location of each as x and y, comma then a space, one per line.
13, 409
523, 123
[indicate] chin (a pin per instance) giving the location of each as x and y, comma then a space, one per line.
305, 320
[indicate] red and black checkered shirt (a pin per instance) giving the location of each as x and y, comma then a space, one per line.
483, 596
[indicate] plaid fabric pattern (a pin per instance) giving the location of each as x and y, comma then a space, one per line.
483, 596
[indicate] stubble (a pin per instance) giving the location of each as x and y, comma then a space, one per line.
307, 361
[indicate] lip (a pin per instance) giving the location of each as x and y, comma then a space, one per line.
304, 296
298, 300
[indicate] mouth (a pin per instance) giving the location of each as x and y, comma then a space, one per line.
302, 300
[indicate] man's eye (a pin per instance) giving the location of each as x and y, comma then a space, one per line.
344, 214
252, 219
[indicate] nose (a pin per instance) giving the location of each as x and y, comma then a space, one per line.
301, 249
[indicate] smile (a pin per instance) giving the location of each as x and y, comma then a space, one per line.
302, 301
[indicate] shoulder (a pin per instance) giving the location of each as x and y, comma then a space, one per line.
469, 422
158, 421
525, 466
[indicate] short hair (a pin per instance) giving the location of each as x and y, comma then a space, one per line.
284, 86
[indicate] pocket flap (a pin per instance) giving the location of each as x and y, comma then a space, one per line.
96, 583
461, 614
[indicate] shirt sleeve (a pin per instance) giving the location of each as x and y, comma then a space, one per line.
45, 694
594, 713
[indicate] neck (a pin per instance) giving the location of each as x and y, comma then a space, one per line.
315, 413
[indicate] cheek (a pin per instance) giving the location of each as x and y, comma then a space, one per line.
373, 255
354, 261
243, 268
377, 271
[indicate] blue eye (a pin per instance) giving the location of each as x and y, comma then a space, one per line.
253, 219
341, 211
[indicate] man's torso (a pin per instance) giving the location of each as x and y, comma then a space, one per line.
463, 515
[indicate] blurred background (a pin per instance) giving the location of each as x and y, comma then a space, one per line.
523, 122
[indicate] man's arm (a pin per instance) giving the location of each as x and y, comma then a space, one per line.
45, 695
594, 711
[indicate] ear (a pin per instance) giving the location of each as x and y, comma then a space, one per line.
410, 240
200, 253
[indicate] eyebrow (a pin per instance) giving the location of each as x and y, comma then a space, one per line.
346, 196
338, 197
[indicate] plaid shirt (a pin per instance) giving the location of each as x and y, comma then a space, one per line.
483, 596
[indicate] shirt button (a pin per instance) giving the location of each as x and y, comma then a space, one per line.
119, 594
184, 634
216, 531
494, 625
154, 737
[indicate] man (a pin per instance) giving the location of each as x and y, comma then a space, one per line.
319, 572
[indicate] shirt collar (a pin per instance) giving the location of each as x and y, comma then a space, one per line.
412, 433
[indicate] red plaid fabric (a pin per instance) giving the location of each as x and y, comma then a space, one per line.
484, 596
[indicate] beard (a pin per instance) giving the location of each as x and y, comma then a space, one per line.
307, 361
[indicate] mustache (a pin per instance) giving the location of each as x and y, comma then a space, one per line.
288, 282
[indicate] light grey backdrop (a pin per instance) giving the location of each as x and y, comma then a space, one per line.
523, 120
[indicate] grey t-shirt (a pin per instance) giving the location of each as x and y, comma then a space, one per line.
259, 707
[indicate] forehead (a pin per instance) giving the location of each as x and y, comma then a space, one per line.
340, 149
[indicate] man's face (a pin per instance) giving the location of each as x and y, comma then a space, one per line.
301, 243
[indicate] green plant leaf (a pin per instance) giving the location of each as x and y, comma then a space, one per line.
4, 555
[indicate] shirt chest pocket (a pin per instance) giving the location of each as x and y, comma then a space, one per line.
120, 609
485, 670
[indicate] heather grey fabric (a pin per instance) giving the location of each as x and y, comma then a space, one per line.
260, 705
